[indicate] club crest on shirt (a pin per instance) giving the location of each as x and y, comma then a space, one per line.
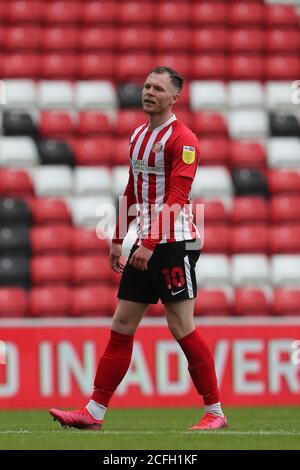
157, 147
188, 154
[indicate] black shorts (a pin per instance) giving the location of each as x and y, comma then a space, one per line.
170, 275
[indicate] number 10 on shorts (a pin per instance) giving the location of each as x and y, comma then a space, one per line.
174, 277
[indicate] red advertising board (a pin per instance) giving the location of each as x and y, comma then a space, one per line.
47, 363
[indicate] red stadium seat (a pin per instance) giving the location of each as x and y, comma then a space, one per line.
285, 209
281, 15
285, 239
121, 151
245, 13
168, 12
58, 66
97, 38
20, 66
214, 211
50, 301
94, 12
96, 66
91, 269
251, 302
209, 67
216, 238
209, 13
55, 124
13, 302
209, 40
133, 67
282, 67
249, 210
212, 302
93, 123
60, 38
280, 40
50, 211
134, 39
246, 40
93, 301
18, 11
177, 61
136, 12
172, 39
22, 38
286, 301
128, 120
213, 151
15, 183
155, 310
247, 154
55, 269
209, 123
284, 181
249, 239
93, 151
85, 242
51, 240
245, 67
61, 12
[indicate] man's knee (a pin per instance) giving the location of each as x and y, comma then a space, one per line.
126, 318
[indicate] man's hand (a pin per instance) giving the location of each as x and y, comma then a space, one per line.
140, 258
114, 258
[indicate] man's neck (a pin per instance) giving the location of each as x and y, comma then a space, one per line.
157, 120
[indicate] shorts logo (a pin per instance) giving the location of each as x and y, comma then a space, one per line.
157, 147
188, 154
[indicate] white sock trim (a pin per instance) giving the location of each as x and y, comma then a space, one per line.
214, 409
96, 410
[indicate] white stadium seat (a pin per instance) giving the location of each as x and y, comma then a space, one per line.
91, 211
18, 152
248, 124
100, 94
120, 175
279, 95
213, 182
283, 152
55, 94
245, 94
207, 95
53, 180
250, 270
285, 270
92, 181
213, 270
20, 93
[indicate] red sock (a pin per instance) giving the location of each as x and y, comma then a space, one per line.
201, 367
112, 367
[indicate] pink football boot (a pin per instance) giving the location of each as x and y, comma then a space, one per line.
210, 421
80, 419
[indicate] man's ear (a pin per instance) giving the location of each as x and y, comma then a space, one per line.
174, 99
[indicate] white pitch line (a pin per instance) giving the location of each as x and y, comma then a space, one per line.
224, 433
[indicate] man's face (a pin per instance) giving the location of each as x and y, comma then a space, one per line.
158, 93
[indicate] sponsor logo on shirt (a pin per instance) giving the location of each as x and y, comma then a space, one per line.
139, 166
188, 154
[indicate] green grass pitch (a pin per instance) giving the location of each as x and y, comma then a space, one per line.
156, 429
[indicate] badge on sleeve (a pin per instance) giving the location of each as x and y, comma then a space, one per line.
188, 154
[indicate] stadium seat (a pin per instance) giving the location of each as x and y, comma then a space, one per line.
249, 210
286, 301
285, 270
100, 38
50, 211
20, 65
52, 239
245, 14
20, 93
86, 242
55, 152
248, 124
121, 152
284, 182
249, 269
133, 67
19, 37
10, 154
213, 302
133, 38
130, 96
50, 301
248, 94
252, 302
89, 269
95, 94
212, 182
55, 94
281, 15
94, 12
51, 269
285, 239
278, 95
92, 301
247, 154
15, 183
213, 151
14, 212
128, 120
246, 40
209, 67
53, 180
216, 238
169, 12
155, 310
89, 211
120, 176
207, 95
136, 12
95, 65
59, 38
14, 271
61, 12
13, 302
18, 123
14, 241
215, 211
172, 39
282, 67
93, 151
209, 123
56, 124
92, 181
93, 123
284, 125
209, 40
281, 40
283, 152
178, 61
208, 13
58, 66
214, 270
249, 239
285, 209
249, 182
245, 67
19, 11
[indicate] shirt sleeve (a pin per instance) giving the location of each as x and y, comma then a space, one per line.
127, 211
185, 156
